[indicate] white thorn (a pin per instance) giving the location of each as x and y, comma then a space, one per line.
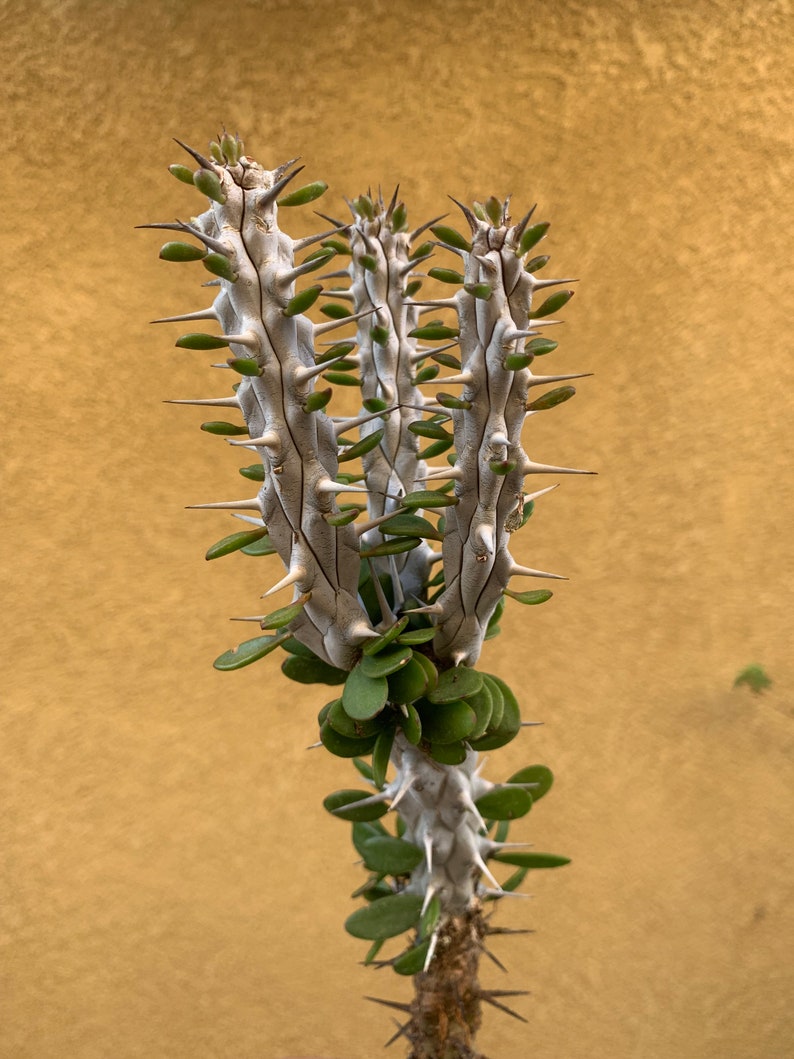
526, 571
200, 314
248, 518
327, 485
361, 631
221, 402
301, 244
539, 380
231, 505
297, 573
321, 329
487, 871
431, 948
530, 467
433, 608
540, 492
428, 844
248, 338
429, 894
465, 379
270, 440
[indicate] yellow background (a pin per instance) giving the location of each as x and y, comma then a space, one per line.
173, 887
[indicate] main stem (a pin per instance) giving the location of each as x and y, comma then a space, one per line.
446, 1011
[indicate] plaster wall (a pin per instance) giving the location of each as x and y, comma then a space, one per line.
172, 886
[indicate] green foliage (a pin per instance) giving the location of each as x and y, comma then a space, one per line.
755, 677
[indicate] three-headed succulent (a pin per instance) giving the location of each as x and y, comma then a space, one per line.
392, 520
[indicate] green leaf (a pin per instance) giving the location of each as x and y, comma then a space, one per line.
540, 776
381, 754
539, 347
372, 647
517, 361
509, 803
482, 704
340, 379
254, 472
483, 291
364, 697
365, 770
368, 262
244, 365
420, 251
535, 264
447, 722
456, 683
337, 245
341, 518
181, 252
234, 542
531, 237
277, 619
392, 856
445, 275
447, 753
364, 830
209, 184
341, 746
300, 197
399, 218
430, 917
417, 636
532, 598
223, 429
196, 340
248, 652
260, 547
412, 724
509, 725
410, 526
385, 918
450, 237
515, 880
448, 400
428, 429
303, 301
346, 726
552, 398
361, 448
364, 207
428, 498
434, 331
502, 467
494, 211
408, 683
317, 400
532, 860
552, 304
431, 673
394, 547
219, 265
342, 805
375, 404
497, 702
385, 662
379, 334
319, 258
181, 172
312, 671
335, 311
755, 677
412, 288
412, 961
426, 374
446, 359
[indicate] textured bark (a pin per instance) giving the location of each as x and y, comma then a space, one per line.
446, 1011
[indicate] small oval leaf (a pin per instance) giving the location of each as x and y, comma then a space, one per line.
385, 918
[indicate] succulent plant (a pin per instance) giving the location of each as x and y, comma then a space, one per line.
393, 596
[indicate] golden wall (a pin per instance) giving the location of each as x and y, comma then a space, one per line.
173, 888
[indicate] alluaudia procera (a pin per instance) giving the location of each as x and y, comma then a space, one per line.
371, 612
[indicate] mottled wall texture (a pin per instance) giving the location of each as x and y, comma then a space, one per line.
172, 886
